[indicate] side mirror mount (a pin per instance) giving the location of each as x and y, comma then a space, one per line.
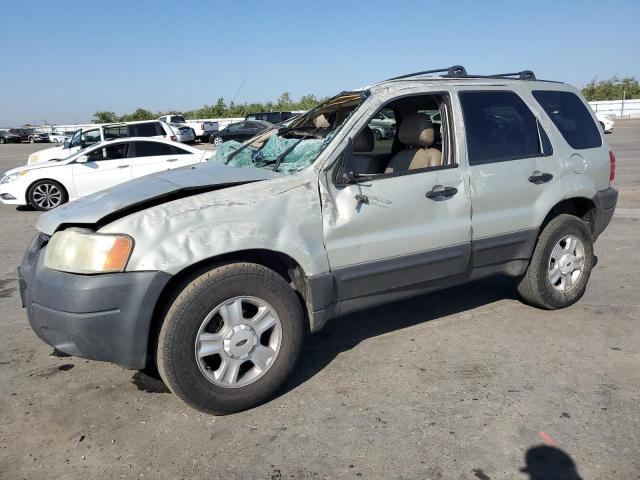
82, 159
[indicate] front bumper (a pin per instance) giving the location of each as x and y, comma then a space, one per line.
99, 317
12, 194
605, 202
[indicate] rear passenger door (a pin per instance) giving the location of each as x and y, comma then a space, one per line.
151, 157
511, 167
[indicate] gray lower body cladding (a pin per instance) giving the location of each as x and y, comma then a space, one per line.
361, 286
605, 202
99, 317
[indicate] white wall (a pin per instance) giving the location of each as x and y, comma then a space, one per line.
631, 108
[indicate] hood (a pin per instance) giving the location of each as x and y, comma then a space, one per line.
148, 191
48, 154
35, 166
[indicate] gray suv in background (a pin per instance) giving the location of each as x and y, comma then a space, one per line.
214, 273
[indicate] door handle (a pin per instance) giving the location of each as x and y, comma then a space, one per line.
440, 192
172, 160
539, 178
123, 166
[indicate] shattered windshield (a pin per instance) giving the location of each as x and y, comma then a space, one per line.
291, 148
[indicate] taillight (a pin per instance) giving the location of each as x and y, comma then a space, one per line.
612, 168
174, 138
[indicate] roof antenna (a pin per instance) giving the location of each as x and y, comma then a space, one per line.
238, 90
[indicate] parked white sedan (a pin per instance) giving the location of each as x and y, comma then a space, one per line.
46, 185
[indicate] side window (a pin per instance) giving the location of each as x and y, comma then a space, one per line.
383, 129
571, 117
112, 152
152, 149
236, 126
115, 132
144, 129
499, 126
179, 151
90, 137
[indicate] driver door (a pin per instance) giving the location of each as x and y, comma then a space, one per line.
106, 167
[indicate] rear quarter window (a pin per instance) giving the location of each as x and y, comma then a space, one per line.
571, 116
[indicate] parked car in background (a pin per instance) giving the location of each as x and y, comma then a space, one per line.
271, 117
58, 137
201, 129
84, 138
381, 130
606, 122
386, 117
47, 185
239, 131
7, 137
30, 135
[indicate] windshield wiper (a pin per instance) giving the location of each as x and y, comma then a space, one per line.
280, 157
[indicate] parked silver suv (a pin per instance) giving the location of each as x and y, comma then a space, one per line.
215, 272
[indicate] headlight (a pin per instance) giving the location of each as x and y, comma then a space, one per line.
13, 176
77, 250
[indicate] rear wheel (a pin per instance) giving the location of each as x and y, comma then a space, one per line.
231, 338
217, 141
2, 140
46, 194
561, 264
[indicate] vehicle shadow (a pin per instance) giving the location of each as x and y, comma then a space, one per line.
549, 463
344, 333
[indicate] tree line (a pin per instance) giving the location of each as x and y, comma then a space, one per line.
219, 110
613, 88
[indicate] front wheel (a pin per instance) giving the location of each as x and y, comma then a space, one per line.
561, 264
46, 194
2, 140
217, 141
230, 338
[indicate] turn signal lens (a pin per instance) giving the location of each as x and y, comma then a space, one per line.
612, 167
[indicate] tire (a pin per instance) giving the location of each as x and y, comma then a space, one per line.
55, 140
377, 135
2, 141
37, 195
192, 376
32, 140
556, 277
217, 141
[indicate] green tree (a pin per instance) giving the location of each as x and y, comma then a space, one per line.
613, 88
105, 117
139, 114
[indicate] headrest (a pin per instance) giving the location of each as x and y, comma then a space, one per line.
416, 130
321, 122
363, 142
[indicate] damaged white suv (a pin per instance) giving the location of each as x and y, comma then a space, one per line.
215, 272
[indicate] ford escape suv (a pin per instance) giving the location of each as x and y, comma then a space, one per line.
215, 272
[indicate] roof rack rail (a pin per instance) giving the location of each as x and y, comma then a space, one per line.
458, 71
454, 71
523, 75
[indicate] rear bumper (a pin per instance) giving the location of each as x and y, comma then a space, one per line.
605, 202
99, 317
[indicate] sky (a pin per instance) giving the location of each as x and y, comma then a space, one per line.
62, 61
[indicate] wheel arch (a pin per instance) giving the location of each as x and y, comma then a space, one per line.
581, 207
27, 190
281, 263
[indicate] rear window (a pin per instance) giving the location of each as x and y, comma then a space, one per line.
572, 118
500, 127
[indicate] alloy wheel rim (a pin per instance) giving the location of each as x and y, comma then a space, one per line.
217, 141
238, 342
566, 263
47, 196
